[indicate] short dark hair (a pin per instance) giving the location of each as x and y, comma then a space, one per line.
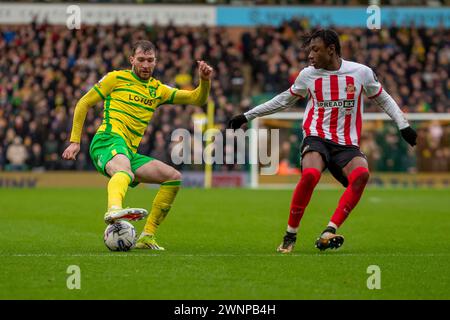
145, 45
329, 36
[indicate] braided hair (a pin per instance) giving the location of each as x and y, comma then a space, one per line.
329, 37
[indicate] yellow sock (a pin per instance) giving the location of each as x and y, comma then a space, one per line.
117, 188
161, 205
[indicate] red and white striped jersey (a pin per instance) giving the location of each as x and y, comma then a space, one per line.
335, 105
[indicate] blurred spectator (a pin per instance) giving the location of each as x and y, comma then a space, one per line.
370, 148
16, 154
2, 158
51, 154
434, 148
36, 158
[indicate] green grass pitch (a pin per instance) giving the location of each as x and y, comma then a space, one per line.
220, 244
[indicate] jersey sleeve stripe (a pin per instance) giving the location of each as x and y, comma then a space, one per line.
376, 95
172, 97
294, 94
99, 92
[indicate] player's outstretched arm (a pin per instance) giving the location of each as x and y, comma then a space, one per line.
282, 101
388, 104
198, 96
90, 99
376, 93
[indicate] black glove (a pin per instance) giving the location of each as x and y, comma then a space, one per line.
410, 135
237, 121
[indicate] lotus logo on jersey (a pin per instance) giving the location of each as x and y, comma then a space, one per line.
143, 100
350, 88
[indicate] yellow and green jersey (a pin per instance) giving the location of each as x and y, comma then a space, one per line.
129, 104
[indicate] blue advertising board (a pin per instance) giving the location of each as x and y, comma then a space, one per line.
332, 16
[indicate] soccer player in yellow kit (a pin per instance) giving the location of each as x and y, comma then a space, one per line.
130, 99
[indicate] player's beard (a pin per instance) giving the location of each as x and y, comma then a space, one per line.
140, 74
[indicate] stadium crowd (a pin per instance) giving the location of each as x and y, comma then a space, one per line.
45, 69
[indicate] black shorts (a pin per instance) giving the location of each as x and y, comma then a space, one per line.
334, 155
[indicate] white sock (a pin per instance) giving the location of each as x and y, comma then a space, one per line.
331, 224
292, 230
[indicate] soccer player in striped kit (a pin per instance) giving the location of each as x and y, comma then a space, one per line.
332, 130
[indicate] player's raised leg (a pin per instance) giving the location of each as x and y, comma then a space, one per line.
170, 181
119, 169
357, 174
312, 166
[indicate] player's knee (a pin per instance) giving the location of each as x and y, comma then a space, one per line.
117, 164
112, 171
175, 175
366, 176
310, 175
359, 177
130, 174
313, 159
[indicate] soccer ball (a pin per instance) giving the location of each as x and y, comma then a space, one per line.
120, 236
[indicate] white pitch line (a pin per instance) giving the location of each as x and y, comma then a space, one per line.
212, 255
